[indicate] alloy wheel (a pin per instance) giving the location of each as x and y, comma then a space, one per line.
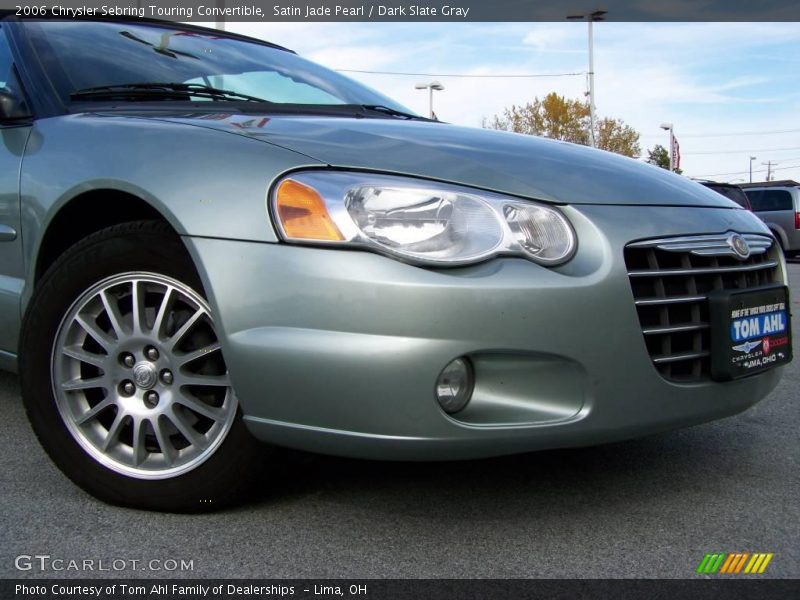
139, 378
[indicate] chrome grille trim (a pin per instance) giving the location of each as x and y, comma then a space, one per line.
734, 269
660, 360
674, 328
668, 300
671, 278
708, 245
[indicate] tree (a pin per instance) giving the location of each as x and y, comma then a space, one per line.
615, 136
553, 116
566, 119
659, 156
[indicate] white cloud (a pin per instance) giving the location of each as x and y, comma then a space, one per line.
703, 77
366, 57
547, 37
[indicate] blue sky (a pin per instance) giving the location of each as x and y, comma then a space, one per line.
731, 90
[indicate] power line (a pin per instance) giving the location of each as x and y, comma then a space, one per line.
464, 75
727, 134
754, 171
790, 159
746, 172
740, 133
743, 151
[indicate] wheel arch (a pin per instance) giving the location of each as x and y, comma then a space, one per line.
85, 213
779, 235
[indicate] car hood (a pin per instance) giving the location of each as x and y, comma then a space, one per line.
521, 165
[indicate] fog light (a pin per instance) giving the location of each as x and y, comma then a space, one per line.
454, 386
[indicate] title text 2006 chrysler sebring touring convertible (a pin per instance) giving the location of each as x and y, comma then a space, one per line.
206, 241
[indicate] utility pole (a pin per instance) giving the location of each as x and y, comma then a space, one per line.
597, 15
769, 164
752, 158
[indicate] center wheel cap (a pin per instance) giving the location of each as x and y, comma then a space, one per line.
144, 375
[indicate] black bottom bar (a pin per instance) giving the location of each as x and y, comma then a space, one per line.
411, 589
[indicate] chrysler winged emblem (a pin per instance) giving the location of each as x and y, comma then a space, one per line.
739, 246
746, 347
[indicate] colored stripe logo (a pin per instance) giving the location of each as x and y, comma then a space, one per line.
734, 563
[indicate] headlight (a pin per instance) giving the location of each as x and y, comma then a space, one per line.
417, 221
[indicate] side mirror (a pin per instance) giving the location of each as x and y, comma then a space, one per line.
12, 106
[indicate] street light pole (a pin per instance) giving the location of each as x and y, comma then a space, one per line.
591, 82
433, 85
752, 158
597, 15
221, 19
668, 127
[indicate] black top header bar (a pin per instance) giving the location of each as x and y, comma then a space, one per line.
414, 11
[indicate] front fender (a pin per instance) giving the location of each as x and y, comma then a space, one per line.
205, 183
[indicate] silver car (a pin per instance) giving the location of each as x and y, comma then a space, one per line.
777, 203
207, 241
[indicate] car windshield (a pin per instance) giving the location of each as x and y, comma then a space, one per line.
80, 56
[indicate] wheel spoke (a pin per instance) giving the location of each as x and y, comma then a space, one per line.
192, 436
114, 316
158, 324
185, 359
113, 431
206, 380
76, 385
201, 408
167, 449
137, 306
184, 329
138, 440
78, 353
94, 411
96, 333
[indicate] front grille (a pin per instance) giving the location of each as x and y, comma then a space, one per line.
671, 279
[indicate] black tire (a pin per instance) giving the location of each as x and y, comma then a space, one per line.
144, 246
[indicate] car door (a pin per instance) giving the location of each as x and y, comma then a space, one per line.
14, 137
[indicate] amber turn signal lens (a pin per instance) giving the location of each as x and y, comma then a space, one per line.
303, 214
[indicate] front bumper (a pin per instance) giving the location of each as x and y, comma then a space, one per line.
338, 351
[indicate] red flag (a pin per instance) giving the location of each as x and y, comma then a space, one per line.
676, 154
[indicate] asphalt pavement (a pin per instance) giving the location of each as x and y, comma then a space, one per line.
645, 508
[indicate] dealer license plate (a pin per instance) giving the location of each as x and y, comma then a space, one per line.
750, 332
